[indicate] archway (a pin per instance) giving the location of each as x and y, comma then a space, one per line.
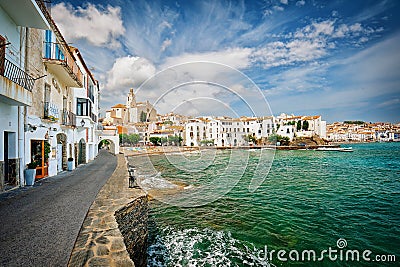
107, 144
113, 140
61, 152
223, 142
82, 152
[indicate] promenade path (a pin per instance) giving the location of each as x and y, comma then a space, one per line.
39, 225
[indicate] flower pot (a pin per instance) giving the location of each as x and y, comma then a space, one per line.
30, 176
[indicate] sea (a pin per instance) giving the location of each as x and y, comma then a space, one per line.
274, 208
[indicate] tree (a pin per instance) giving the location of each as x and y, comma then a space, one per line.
207, 142
250, 138
163, 140
298, 125
155, 140
123, 138
305, 125
133, 139
175, 140
284, 140
143, 116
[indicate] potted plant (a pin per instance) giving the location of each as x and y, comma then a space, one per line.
70, 164
30, 173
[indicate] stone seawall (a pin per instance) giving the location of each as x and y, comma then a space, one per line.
114, 232
132, 222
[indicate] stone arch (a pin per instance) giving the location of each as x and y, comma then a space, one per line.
113, 146
82, 151
62, 144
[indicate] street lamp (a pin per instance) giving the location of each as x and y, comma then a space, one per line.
82, 123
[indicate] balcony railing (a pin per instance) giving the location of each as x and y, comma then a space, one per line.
16, 74
93, 117
68, 118
54, 51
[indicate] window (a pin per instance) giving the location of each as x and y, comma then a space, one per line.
83, 107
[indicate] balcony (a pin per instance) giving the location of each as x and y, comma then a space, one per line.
68, 118
93, 117
15, 84
62, 64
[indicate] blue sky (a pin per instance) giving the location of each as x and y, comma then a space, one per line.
338, 59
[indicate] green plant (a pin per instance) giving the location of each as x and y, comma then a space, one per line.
32, 165
298, 125
207, 142
47, 150
250, 138
305, 125
155, 140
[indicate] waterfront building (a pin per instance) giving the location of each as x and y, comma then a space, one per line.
86, 104
67, 89
139, 111
359, 131
17, 79
195, 132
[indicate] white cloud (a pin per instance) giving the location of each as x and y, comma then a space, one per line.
388, 103
100, 27
165, 44
300, 3
279, 53
278, 8
285, 2
238, 58
129, 72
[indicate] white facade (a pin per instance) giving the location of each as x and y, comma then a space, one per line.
16, 83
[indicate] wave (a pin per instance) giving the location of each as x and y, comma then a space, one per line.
201, 247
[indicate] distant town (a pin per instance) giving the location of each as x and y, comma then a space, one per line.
50, 119
141, 119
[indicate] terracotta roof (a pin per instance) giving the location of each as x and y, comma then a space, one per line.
311, 117
119, 106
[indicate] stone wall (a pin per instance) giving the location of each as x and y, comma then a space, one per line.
114, 232
132, 222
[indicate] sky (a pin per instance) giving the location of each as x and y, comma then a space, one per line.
337, 59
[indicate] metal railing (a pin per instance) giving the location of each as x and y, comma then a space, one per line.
16, 74
57, 52
93, 117
68, 118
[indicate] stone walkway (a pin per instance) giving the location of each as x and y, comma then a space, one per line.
39, 225
100, 242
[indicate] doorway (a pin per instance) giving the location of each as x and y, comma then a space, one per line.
11, 162
61, 152
37, 155
82, 152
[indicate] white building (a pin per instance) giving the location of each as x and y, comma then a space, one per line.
195, 132
63, 116
16, 84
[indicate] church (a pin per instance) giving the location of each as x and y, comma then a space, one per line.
132, 112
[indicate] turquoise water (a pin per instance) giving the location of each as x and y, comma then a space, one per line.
309, 200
